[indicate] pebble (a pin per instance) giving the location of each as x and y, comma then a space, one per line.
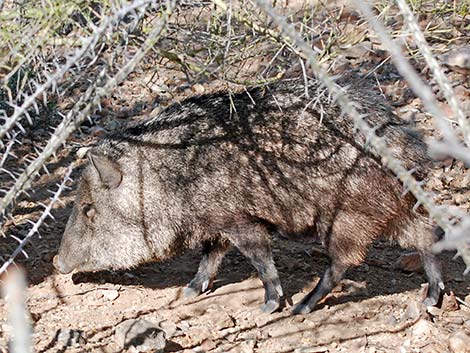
459, 342
449, 303
208, 345
456, 320
170, 329
414, 310
458, 58
183, 325
354, 288
110, 294
423, 330
70, 337
140, 334
434, 311
460, 199
221, 318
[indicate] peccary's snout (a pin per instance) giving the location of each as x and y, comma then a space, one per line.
60, 265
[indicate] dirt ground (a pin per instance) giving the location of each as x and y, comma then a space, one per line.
376, 308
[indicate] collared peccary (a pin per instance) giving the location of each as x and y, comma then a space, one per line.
220, 170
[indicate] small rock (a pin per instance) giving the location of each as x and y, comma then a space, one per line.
409, 262
110, 294
169, 328
208, 345
459, 342
458, 58
449, 303
140, 334
112, 125
70, 337
183, 325
423, 330
358, 344
199, 333
297, 297
434, 311
456, 320
354, 288
414, 310
220, 319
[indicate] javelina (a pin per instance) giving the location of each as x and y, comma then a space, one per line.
218, 170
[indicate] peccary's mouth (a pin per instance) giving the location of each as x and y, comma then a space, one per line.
61, 266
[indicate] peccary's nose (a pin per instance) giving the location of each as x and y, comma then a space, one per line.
59, 265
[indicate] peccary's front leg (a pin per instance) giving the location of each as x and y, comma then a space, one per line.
213, 253
253, 242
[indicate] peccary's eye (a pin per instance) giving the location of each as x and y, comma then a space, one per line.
88, 211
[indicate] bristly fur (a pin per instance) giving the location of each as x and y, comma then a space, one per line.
216, 171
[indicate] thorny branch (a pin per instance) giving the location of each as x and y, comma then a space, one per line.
81, 111
87, 47
35, 226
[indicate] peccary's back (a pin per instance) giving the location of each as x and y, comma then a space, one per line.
270, 153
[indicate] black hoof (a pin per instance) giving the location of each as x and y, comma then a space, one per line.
194, 289
430, 301
270, 306
434, 294
190, 292
301, 309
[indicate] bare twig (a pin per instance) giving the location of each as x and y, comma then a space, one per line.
19, 321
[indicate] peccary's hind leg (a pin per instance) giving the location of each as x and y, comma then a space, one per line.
344, 250
330, 279
417, 233
213, 253
433, 273
253, 241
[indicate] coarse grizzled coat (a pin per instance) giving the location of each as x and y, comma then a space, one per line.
220, 170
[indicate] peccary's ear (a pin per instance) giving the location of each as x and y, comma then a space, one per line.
109, 171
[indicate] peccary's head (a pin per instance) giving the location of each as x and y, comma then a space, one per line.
103, 231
